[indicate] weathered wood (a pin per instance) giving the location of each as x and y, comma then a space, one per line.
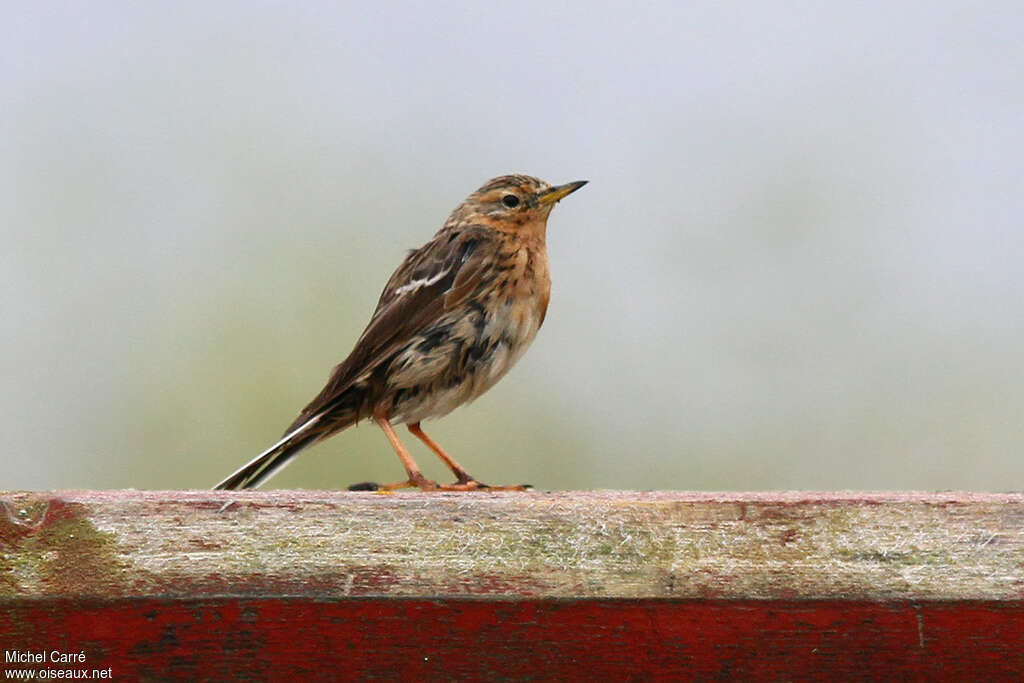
539, 586
292, 639
883, 546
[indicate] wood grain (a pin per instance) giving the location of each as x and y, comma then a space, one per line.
927, 546
302, 585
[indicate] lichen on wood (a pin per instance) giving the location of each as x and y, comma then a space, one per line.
604, 544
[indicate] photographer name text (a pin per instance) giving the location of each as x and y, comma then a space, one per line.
43, 657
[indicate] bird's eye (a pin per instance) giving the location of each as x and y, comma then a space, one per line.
510, 200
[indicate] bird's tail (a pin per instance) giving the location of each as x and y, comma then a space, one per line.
270, 461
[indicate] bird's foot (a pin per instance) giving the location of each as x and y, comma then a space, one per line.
470, 484
416, 481
425, 484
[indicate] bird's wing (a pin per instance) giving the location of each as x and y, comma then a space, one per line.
432, 279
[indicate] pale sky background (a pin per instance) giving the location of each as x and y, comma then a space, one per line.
799, 262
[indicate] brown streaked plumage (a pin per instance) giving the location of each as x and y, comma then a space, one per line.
451, 321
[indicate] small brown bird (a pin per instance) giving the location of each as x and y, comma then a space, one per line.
451, 321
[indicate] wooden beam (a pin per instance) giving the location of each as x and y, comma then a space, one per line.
748, 583
941, 546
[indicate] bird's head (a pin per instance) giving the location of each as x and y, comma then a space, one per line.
513, 203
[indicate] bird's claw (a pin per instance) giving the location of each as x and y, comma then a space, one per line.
425, 484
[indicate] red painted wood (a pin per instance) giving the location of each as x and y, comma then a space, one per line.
489, 640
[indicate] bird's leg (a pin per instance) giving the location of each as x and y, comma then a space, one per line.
461, 475
464, 481
416, 478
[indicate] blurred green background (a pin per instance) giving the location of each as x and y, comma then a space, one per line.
798, 263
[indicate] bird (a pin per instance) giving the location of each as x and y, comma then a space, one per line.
453, 318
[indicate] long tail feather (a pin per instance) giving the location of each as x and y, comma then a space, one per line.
272, 460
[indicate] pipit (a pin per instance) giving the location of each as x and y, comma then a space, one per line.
451, 321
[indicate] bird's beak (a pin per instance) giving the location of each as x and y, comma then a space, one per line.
552, 195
